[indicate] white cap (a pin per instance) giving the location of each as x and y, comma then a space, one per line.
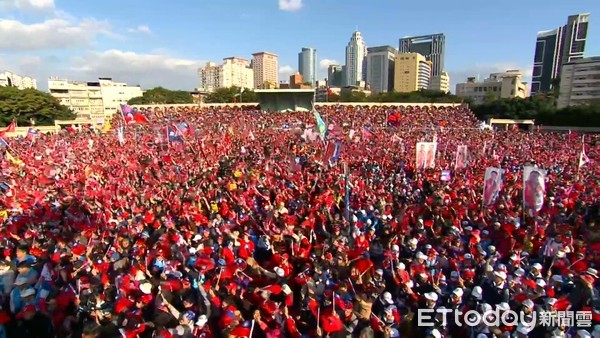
192, 251
468, 228
431, 296
528, 303
421, 255
436, 334
413, 241
485, 307
551, 301
202, 320
401, 266
279, 272
458, 292
379, 271
503, 306
537, 266
197, 237
541, 283
286, 289
387, 297
519, 272
395, 247
500, 274
146, 288
468, 256
477, 291
560, 254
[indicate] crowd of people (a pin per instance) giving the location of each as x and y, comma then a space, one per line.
234, 222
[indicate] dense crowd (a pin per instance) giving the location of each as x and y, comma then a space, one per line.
231, 222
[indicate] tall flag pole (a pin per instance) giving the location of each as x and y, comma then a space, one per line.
321, 125
347, 192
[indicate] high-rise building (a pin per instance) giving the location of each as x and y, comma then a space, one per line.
499, 85
266, 70
380, 68
307, 65
432, 47
93, 100
411, 72
334, 76
579, 82
356, 59
209, 77
236, 72
14, 80
233, 72
440, 82
556, 47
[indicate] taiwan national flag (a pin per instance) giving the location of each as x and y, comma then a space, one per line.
394, 118
173, 135
32, 134
183, 128
242, 330
333, 152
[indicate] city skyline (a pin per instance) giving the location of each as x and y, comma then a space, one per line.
83, 41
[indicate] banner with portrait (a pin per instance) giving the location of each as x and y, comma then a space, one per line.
492, 184
462, 157
534, 188
426, 152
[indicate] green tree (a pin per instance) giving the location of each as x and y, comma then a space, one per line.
230, 95
352, 96
160, 95
24, 105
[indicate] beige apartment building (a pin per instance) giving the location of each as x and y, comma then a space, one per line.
93, 100
499, 85
440, 82
233, 72
266, 70
579, 82
412, 72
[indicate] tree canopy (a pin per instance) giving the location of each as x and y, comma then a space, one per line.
160, 95
540, 108
230, 95
24, 105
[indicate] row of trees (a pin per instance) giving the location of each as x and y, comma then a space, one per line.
160, 95
421, 96
28, 105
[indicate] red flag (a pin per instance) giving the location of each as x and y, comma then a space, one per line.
140, 118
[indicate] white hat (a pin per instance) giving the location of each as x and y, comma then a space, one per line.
468, 256
485, 307
387, 297
192, 251
541, 283
557, 279
528, 303
401, 266
537, 266
395, 247
286, 289
197, 237
584, 334
28, 293
279, 272
551, 301
482, 335
436, 334
501, 267
413, 241
146, 288
503, 306
491, 248
421, 255
468, 228
379, 271
458, 292
477, 291
500, 274
431, 296
394, 333
519, 272
560, 254
202, 320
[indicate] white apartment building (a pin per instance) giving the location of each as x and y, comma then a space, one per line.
236, 72
92, 100
579, 82
266, 70
233, 72
14, 80
499, 85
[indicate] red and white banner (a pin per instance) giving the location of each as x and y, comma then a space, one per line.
462, 157
534, 188
492, 184
426, 152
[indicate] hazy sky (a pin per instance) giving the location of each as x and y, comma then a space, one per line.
157, 42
